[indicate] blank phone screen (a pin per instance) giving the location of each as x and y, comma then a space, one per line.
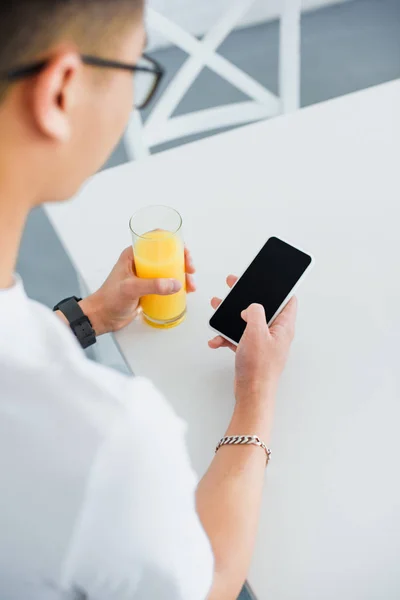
268, 281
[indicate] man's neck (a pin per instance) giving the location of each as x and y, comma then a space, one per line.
13, 214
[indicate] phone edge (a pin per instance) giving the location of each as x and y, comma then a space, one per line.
222, 335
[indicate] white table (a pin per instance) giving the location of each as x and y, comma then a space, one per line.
326, 178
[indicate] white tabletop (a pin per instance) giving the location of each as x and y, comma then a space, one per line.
327, 179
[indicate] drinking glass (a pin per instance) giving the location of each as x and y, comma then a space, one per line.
159, 253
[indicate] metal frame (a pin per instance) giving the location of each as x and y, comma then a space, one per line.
162, 127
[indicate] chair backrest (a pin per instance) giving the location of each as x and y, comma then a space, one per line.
161, 127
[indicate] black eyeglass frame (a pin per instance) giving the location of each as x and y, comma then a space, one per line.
157, 70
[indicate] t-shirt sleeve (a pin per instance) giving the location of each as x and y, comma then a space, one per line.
138, 534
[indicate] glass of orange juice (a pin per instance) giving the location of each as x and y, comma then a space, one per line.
159, 253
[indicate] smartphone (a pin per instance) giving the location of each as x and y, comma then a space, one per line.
271, 280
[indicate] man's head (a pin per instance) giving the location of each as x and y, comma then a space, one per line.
58, 126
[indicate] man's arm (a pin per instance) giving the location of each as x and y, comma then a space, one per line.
229, 495
116, 303
228, 502
93, 310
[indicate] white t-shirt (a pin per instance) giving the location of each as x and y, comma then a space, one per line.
97, 495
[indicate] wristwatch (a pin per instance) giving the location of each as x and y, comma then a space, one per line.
78, 321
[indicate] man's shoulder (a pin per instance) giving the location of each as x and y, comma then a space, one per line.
47, 367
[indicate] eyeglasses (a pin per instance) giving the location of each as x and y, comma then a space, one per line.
148, 74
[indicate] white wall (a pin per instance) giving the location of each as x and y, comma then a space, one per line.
198, 16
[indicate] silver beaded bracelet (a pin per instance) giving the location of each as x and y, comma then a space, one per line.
241, 440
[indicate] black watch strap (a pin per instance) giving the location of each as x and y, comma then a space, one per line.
78, 321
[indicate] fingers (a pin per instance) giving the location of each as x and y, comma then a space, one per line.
190, 284
220, 342
285, 323
127, 254
231, 280
127, 260
160, 287
255, 316
215, 302
165, 287
190, 268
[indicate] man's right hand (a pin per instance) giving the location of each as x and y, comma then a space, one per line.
229, 495
262, 352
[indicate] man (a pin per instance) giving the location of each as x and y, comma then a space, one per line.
98, 499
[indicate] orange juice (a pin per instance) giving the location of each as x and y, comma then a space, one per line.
160, 254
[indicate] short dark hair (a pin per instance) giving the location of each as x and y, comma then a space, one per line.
29, 28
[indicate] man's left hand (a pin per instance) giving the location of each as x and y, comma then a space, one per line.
116, 303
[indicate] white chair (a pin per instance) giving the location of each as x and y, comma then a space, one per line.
160, 127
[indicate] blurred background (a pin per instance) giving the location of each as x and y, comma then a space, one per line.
346, 45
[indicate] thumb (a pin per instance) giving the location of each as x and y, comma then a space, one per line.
255, 316
160, 287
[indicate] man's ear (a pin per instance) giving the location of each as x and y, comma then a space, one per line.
55, 94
